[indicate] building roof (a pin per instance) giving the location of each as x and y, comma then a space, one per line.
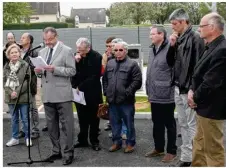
45, 8
91, 15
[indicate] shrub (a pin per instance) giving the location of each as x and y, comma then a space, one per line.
42, 25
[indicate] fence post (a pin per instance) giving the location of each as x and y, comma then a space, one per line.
90, 35
138, 32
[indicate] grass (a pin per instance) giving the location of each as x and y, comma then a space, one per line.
139, 102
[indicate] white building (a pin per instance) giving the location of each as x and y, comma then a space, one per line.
93, 17
45, 12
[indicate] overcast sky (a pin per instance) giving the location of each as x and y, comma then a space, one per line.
65, 7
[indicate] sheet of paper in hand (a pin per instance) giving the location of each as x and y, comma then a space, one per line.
38, 62
79, 97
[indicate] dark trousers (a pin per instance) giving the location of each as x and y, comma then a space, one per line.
88, 123
163, 117
117, 114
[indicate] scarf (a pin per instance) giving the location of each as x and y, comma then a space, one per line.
12, 80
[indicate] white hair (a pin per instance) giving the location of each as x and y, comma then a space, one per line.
124, 44
83, 40
117, 40
217, 20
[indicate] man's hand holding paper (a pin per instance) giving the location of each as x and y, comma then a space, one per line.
38, 62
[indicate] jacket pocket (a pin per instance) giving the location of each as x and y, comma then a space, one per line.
109, 73
162, 89
123, 74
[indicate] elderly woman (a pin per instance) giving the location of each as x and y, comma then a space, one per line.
13, 75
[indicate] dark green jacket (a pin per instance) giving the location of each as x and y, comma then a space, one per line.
20, 74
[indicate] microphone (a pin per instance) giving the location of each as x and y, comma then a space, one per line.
39, 46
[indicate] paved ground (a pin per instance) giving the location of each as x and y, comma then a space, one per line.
87, 157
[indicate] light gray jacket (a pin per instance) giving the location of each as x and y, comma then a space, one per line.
56, 86
158, 81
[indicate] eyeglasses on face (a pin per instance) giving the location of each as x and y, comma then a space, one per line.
201, 26
116, 50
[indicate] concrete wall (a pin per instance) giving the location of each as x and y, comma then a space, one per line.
97, 36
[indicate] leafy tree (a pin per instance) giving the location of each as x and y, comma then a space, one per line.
14, 12
195, 11
118, 13
136, 10
158, 12
221, 9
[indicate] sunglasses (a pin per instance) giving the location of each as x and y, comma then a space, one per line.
116, 50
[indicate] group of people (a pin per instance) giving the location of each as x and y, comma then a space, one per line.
186, 71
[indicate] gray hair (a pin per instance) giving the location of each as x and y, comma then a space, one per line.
124, 44
160, 29
84, 41
50, 29
217, 20
179, 14
117, 40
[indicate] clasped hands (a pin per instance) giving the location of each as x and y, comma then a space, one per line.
13, 95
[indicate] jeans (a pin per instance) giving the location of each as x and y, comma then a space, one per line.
117, 114
22, 109
124, 129
34, 116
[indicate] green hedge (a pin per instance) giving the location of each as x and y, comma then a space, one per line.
24, 26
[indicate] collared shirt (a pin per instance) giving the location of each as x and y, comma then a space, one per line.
54, 50
23, 52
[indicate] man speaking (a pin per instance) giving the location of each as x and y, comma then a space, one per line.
57, 94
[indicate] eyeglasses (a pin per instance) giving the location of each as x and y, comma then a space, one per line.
49, 40
201, 26
116, 50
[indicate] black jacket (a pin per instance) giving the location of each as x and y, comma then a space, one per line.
209, 81
87, 78
5, 59
183, 57
121, 80
33, 85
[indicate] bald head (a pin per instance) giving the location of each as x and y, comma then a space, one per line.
26, 40
215, 19
211, 26
10, 37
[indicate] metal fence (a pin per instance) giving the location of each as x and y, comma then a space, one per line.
69, 36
